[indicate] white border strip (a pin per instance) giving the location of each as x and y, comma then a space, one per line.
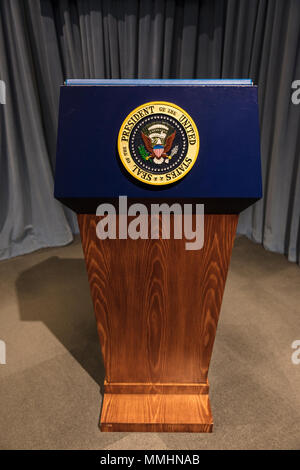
175, 82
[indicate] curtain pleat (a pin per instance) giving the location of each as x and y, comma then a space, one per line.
44, 42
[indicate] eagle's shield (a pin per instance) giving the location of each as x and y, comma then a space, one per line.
158, 150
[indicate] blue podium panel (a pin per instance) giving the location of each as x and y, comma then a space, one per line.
226, 175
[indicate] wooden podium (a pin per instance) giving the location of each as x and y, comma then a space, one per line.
157, 304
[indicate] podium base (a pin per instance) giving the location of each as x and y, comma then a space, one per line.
149, 412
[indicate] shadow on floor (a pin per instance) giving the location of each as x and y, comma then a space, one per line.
56, 292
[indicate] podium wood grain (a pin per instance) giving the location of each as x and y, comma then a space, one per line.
157, 413
157, 307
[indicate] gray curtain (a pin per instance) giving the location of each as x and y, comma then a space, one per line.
44, 42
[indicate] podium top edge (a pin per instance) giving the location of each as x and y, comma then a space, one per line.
162, 82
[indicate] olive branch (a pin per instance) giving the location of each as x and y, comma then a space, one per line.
143, 153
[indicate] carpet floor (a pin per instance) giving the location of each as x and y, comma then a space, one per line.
51, 384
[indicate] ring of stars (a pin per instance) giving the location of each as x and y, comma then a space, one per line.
168, 120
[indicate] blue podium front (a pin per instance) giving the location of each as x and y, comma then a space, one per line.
226, 176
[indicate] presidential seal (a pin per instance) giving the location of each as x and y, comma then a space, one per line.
158, 143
